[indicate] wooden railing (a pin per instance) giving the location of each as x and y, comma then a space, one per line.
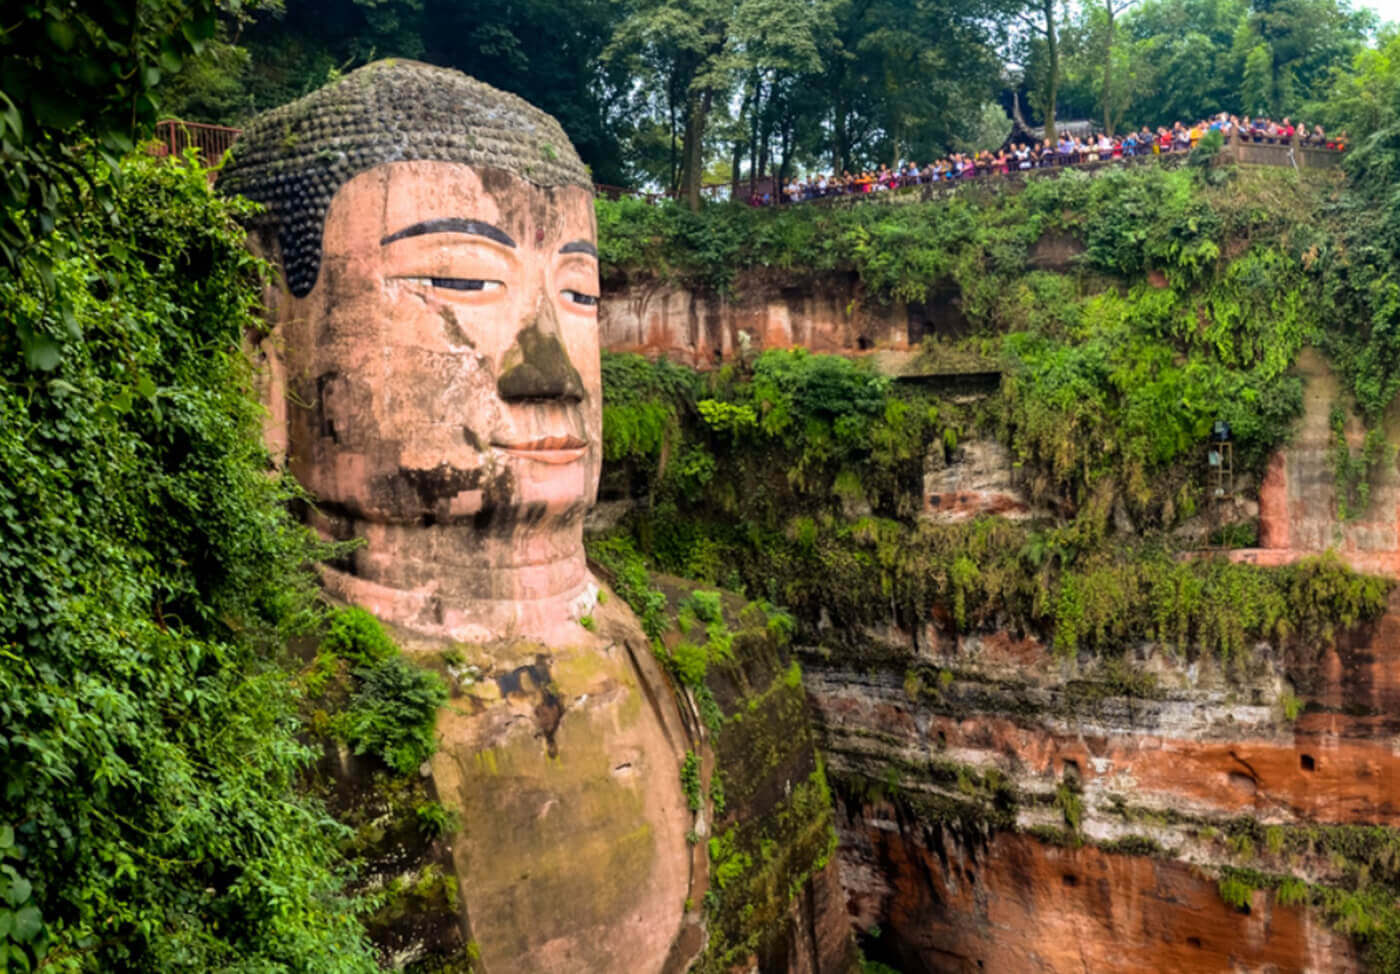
173, 137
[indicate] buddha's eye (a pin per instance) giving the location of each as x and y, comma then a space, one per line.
464, 283
579, 298
455, 283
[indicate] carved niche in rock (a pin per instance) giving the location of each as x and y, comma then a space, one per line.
435, 384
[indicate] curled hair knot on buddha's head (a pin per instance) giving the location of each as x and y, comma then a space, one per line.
294, 158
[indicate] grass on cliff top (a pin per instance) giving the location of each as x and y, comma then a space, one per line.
1189, 303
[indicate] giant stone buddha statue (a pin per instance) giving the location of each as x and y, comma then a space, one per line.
435, 384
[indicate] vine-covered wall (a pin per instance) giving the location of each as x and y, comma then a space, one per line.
167, 749
952, 661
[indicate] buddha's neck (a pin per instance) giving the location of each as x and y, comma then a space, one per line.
455, 582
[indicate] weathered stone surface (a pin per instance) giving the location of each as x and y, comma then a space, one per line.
1298, 498
295, 158
1194, 748
1011, 903
1057, 251
402, 418
701, 328
977, 480
564, 763
435, 365
819, 929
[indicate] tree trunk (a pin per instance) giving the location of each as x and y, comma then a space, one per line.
693, 170
785, 129
740, 147
736, 163
753, 133
764, 133
1108, 72
838, 146
1052, 49
672, 184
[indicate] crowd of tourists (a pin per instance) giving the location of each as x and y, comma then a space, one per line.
1068, 150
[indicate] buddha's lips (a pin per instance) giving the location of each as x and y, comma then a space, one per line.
547, 449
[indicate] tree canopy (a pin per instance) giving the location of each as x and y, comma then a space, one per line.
669, 96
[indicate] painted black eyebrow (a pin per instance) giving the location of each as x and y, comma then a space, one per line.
579, 247
452, 224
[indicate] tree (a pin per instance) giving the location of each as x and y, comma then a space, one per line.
1181, 53
548, 52
905, 78
1365, 98
72, 78
775, 50
1288, 49
682, 46
1111, 9
1042, 22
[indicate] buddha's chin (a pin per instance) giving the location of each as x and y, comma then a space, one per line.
540, 601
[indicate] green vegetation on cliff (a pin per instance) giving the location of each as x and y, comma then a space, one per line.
151, 578
1127, 314
769, 810
1187, 296
833, 533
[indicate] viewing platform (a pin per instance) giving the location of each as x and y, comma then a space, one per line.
173, 137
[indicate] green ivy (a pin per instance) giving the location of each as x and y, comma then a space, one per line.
150, 577
1353, 475
690, 782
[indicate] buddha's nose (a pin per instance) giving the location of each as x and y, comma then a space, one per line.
536, 366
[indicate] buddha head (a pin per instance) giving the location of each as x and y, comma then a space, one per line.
435, 342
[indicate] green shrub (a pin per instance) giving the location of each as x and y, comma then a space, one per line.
705, 606
690, 782
358, 637
690, 662
1292, 892
1071, 805
1235, 891
393, 714
617, 556
1134, 845
717, 793
435, 821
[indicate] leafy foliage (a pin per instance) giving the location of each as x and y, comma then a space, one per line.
1352, 475
393, 713
628, 570
358, 637
1115, 371
1111, 385
151, 575
78, 79
690, 782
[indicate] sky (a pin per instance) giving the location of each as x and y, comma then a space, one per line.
1388, 9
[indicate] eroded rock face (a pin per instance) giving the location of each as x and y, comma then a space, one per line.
974, 773
447, 403
1011, 903
435, 370
978, 479
702, 328
1298, 496
565, 765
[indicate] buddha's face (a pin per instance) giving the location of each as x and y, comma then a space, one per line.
446, 361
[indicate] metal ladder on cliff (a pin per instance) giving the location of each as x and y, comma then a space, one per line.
1220, 476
